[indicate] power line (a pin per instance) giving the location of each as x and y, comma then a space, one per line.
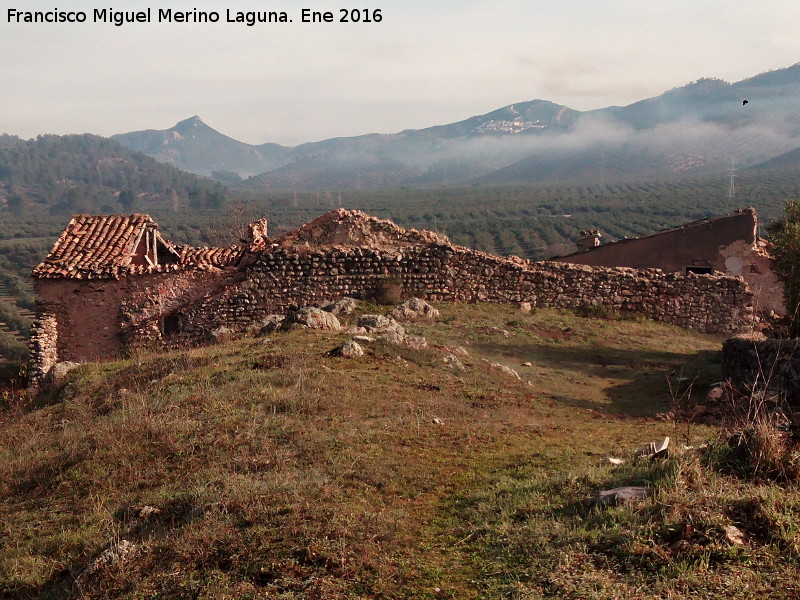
732, 185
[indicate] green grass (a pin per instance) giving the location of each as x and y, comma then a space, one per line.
277, 471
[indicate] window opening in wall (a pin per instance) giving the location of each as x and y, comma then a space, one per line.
170, 325
699, 266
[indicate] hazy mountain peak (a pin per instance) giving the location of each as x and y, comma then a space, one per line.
693, 127
191, 121
193, 146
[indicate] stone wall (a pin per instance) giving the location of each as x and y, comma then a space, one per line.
282, 278
95, 319
753, 364
729, 244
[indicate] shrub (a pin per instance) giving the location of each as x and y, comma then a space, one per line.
389, 291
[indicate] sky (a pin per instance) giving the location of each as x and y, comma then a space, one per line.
425, 63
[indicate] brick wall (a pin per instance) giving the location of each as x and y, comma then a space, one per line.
82, 320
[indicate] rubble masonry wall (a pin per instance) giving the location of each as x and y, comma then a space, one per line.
712, 304
95, 319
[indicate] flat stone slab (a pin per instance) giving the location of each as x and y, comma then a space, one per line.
620, 495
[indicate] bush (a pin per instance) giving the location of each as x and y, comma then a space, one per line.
389, 291
589, 311
761, 451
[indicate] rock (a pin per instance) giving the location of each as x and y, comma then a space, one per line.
145, 511
364, 339
438, 421
310, 318
394, 337
524, 308
349, 349
417, 342
220, 334
379, 324
115, 554
414, 308
400, 337
751, 336
452, 362
390, 330
680, 545
57, 375
343, 306
527, 364
614, 461
621, 494
734, 535
270, 324
504, 369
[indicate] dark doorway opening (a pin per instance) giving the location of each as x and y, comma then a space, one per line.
170, 325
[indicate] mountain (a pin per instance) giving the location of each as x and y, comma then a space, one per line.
87, 173
789, 159
695, 128
193, 146
716, 101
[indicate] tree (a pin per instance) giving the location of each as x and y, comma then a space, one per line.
18, 204
127, 198
784, 234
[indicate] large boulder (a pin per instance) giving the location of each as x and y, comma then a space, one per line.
311, 318
57, 375
380, 324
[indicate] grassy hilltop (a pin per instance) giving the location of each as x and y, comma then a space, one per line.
264, 468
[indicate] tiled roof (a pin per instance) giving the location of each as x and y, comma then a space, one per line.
94, 247
105, 247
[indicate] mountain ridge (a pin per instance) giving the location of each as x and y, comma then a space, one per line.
699, 124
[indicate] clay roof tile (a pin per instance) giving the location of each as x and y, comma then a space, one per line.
103, 246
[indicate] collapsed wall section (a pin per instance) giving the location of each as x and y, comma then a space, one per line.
283, 278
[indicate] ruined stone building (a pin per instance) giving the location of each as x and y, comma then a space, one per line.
728, 244
113, 282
